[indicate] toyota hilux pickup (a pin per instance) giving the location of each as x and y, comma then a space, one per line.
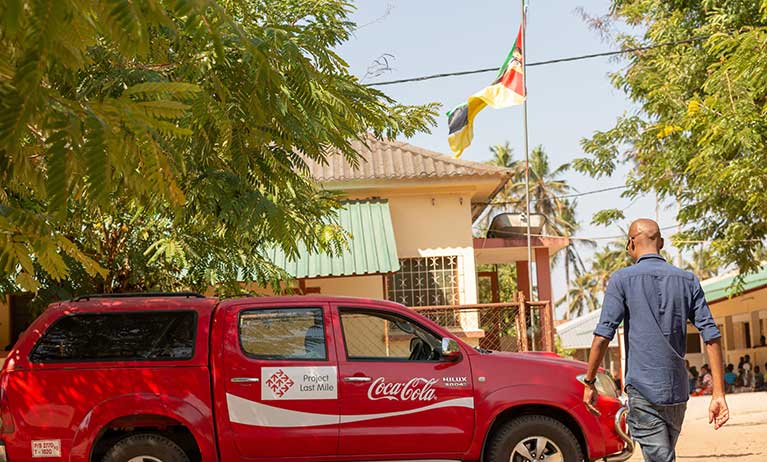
186, 378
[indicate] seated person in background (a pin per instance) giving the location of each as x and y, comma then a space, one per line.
729, 378
748, 379
758, 380
739, 382
747, 371
706, 385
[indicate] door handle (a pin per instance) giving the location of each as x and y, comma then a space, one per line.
357, 379
245, 380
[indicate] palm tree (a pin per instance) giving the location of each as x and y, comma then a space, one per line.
504, 201
582, 297
572, 257
609, 260
503, 156
546, 187
546, 190
587, 288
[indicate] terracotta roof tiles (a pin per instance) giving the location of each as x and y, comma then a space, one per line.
397, 160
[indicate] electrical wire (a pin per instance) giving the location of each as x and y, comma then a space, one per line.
539, 63
563, 196
575, 238
612, 188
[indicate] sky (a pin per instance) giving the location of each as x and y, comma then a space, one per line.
566, 102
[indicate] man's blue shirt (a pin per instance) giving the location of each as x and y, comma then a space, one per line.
654, 300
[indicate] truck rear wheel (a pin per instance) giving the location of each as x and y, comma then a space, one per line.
534, 438
145, 447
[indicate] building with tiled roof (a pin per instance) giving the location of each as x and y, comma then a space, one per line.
392, 164
410, 212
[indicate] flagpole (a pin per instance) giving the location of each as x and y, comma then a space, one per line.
527, 154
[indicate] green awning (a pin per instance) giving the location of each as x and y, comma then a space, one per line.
718, 288
371, 247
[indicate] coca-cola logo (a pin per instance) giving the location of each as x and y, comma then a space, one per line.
415, 389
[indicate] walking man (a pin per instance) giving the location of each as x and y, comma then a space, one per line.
654, 300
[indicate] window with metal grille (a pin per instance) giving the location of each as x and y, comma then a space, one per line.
425, 281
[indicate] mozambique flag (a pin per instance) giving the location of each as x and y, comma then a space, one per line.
508, 89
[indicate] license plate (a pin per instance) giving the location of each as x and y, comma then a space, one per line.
46, 448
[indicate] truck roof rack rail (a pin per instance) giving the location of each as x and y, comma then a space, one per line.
139, 294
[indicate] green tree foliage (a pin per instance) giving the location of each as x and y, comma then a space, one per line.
561, 350
156, 143
546, 187
699, 135
507, 283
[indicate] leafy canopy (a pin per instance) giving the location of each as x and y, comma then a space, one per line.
700, 135
155, 143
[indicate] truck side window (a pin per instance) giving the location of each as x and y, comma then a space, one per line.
376, 336
283, 333
126, 336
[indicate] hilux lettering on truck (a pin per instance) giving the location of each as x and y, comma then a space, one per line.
187, 378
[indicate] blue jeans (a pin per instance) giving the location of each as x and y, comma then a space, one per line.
656, 428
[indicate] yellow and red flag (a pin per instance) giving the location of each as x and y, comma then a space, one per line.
508, 89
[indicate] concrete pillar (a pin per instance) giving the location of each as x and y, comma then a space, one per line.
756, 332
729, 334
543, 273
543, 276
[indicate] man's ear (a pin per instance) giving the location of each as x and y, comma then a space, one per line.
660, 247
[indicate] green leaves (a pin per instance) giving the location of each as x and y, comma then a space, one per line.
179, 89
700, 134
56, 173
160, 144
607, 217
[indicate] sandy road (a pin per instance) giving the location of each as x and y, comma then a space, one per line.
743, 439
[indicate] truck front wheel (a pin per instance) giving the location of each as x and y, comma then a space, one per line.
534, 438
145, 447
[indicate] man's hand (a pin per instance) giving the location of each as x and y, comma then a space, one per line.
590, 398
718, 413
598, 349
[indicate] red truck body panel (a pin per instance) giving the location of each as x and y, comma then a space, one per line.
75, 402
240, 406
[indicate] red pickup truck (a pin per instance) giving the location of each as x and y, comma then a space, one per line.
185, 378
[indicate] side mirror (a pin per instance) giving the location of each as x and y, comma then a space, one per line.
451, 351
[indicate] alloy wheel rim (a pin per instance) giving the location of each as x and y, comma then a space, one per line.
144, 459
536, 449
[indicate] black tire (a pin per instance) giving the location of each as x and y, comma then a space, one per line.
523, 428
153, 447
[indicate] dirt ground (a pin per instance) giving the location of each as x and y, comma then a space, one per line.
743, 439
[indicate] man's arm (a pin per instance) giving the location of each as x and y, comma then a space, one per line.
700, 316
596, 355
718, 413
612, 315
